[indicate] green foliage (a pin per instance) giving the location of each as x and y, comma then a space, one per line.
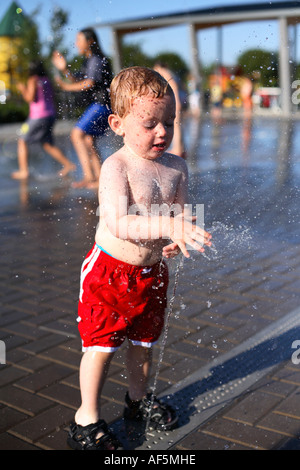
174, 62
262, 64
13, 111
58, 20
30, 46
133, 55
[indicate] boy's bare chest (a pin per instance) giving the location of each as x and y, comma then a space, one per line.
153, 185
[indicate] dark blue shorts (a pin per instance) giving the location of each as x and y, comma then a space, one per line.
38, 131
94, 119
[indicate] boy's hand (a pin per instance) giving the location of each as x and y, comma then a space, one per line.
170, 251
184, 232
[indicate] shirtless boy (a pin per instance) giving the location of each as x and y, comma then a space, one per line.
123, 278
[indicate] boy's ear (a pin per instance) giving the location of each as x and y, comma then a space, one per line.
116, 124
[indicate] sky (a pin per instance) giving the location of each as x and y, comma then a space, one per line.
236, 38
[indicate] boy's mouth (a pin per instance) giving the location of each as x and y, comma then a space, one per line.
160, 146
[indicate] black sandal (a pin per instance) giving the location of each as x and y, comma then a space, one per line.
150, 409
84, 437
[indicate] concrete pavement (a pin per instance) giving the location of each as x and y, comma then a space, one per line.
227, 362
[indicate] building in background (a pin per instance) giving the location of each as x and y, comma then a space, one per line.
12, 27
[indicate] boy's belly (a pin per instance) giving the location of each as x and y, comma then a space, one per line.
139, 253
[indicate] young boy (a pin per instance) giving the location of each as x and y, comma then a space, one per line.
123, 278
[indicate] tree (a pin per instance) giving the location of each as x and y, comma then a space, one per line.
58, 20
133, 55
174, 62
262, 63
30, 46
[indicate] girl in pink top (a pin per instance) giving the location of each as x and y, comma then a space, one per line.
43, 104
39, 125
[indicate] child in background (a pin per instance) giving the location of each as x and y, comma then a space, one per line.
39, 125
124, 280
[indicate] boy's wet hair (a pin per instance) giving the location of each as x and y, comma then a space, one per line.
135, 82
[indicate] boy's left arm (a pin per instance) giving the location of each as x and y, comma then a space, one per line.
181, 201
181, 198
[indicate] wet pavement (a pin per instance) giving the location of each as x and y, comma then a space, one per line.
228, 360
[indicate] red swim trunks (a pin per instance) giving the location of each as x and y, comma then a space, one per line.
119, 300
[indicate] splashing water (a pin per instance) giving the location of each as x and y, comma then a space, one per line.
227, 240
165, 336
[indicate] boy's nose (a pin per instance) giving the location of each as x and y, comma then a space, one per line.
161, 130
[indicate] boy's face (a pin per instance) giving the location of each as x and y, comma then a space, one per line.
148, 127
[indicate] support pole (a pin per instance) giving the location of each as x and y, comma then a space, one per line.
220, 45
284, 67
117, 54
195, 59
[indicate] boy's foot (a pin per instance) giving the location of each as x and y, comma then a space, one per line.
20, 175
159, 415
94, 436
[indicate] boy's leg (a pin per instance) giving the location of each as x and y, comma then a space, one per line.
137, 400
139, 360
57, 154
88, 429
93, 370
23, 172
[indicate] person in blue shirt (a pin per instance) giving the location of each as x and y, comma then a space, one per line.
93, 82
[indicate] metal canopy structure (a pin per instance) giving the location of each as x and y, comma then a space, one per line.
286, 13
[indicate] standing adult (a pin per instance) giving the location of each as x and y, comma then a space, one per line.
94, 82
